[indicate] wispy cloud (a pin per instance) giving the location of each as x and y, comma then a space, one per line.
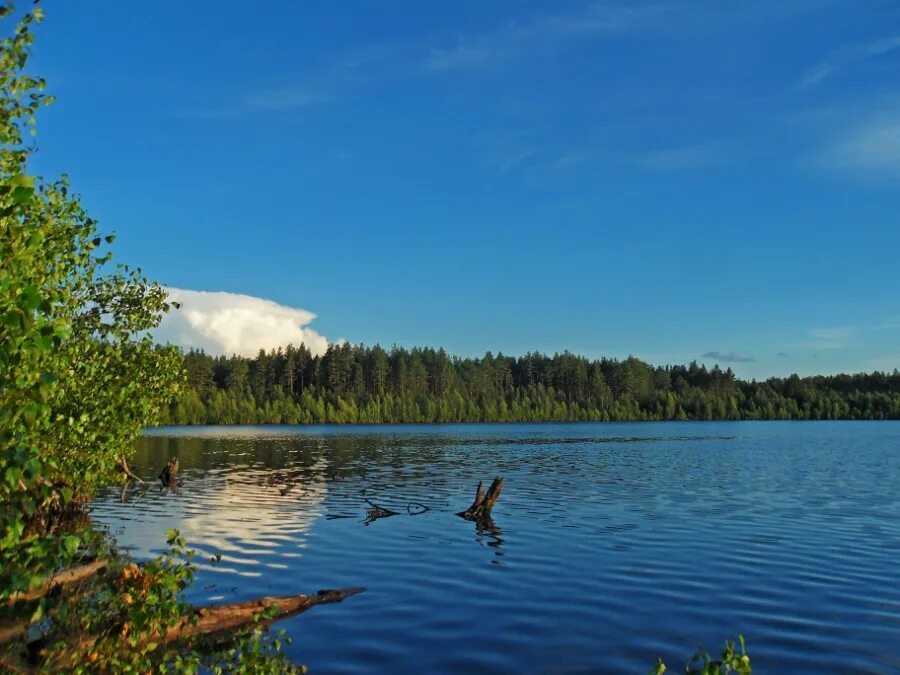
783, 355
513, 38
369, 65
350, 70
834, 333
463, 55
696, 156
729, 357
270, 100
847, 57
510, 152
597, 18
287, 98
836, 337
873, 146
570, 160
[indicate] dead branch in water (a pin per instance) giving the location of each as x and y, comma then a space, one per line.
484, 502
374, 512
123, 464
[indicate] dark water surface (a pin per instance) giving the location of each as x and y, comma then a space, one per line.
612, 544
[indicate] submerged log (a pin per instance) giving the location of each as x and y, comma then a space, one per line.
220, 618
64, 578
484, 502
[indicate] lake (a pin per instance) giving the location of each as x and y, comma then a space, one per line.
611, 544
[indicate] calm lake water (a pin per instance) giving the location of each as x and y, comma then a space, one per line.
612, 544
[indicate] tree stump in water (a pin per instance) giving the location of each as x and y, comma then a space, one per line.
484, 502
169, 473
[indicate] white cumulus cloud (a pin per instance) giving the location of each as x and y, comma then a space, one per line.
232, 323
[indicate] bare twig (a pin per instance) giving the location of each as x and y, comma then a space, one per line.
123, 464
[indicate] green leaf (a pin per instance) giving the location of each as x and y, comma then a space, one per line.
70, 544
21, 180
31, 297
22, 194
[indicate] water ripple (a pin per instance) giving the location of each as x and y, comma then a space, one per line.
611, 544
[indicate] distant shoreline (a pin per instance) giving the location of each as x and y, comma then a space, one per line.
351, 384
497, 424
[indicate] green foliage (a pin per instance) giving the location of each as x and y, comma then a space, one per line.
356, 384
731, 661
119, 626
79, 378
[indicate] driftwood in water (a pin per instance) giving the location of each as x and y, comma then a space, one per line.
15, 629
64, 578
128, 473
484, 501
169, 473
220, 618
216, 621
374, 512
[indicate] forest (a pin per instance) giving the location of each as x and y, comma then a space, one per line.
358, 384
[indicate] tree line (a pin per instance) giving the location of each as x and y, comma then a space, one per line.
358, 384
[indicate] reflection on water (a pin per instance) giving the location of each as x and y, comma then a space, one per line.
610, 545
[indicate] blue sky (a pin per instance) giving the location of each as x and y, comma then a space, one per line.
676, 180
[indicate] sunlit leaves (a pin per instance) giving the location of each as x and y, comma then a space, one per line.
732, 660
79, 379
